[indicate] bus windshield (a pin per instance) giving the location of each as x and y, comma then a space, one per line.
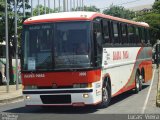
59, 45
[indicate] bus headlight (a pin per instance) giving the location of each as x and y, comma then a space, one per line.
82, 85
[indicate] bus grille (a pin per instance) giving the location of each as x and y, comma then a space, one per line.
56, 99
50, 87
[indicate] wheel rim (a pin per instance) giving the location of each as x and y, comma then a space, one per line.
105, 94
137, 82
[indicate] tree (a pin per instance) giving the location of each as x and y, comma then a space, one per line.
153, 19
156, 7
119, 11
91, 8
11, 27
42, 10
87, 8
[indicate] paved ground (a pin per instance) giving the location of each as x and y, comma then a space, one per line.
12, 95
127, 103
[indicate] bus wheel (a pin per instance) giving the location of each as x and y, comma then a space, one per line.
106, 95
1, 81
138, 83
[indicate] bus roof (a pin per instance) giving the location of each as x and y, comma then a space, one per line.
76, 16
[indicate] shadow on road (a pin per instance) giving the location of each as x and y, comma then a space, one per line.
57, 110
125, 95
71, 110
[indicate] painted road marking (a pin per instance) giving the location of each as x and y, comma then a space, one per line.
149, 91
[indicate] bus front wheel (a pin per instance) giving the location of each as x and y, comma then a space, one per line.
106, 95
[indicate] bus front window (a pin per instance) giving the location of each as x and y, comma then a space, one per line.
60, 45
72, 45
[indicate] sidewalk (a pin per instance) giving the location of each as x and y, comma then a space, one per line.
13, 95
158, 90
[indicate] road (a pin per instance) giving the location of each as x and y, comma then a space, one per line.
127, 103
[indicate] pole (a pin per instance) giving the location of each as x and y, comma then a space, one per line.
74, 6
31, 7
59, 5
16, 41
38, 8
77, 6
82, 5
6, 38
64, 5
24, 13
44, 6
70, 5
49, 5
54, 5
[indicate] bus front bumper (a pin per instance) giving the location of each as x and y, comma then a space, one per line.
63, 97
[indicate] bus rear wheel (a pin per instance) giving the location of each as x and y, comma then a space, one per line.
138, 82
106, 95
1, 81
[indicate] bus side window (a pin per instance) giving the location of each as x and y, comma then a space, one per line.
124, 33
137, 35
105, 30
131, 34
97, 36
115, 32
142, 35
145, 35
148, 36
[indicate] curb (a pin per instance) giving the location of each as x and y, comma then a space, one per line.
158, 90
11, 100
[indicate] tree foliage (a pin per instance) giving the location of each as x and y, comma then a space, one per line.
11, 17
87, 8
119, 11
153, 19
11, 22
156, 7
42, 10
91, 8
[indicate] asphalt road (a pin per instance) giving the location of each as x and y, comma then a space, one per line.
127, 103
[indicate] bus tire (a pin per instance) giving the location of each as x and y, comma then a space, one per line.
138, 83
106, 95
1, 77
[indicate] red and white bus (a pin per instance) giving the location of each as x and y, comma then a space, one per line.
83, 58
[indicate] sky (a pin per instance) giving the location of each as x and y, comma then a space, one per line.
126, 3
102, 4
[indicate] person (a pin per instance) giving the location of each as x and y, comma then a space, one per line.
82, 49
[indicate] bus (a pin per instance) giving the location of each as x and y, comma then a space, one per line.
3, 80
117, 58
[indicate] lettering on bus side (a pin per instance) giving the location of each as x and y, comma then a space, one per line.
118, 55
